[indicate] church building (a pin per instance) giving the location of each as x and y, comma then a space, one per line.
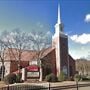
59, 56
55, 59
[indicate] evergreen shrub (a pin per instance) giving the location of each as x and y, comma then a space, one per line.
77, 77
85, 78
10, 79
51, 78
61, 77
18, 77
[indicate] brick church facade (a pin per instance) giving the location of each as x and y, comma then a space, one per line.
55, 59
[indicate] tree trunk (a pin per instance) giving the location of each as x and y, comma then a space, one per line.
3, 71
40, 79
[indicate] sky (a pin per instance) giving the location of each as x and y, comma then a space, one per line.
29, 15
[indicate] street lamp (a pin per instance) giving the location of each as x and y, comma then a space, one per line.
77, 84
49, 86
77, 79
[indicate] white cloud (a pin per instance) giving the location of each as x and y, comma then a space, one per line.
83, 38
88, 57
82, 51
87, 18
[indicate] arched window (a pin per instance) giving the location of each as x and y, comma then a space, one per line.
65, 70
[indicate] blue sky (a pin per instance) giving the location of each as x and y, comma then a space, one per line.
37, 15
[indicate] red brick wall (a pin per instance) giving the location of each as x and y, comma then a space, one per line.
49, 61
14, 65
63, 52
72, 69
65, 57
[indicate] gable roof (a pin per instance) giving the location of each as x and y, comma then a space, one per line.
47, 51
70, 58
12, 54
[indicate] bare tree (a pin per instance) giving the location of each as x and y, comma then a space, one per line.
15, 41
19, 42
3, 46
2, 68
83, 66
79, 66
37, 41
40, 41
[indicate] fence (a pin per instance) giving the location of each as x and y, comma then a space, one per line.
42, 87
24, 87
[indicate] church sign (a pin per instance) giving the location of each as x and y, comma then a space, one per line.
33, 68
32, 74
32, 71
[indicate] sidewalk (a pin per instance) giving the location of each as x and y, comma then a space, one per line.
67, 83
64, 84
2, 84
54, 84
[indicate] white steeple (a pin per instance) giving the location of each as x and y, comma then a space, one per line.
58, 25
58, 41
59, 18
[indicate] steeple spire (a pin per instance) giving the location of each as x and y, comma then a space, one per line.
58, 25
59, 18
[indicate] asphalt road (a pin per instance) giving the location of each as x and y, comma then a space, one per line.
80, 88
72, 87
